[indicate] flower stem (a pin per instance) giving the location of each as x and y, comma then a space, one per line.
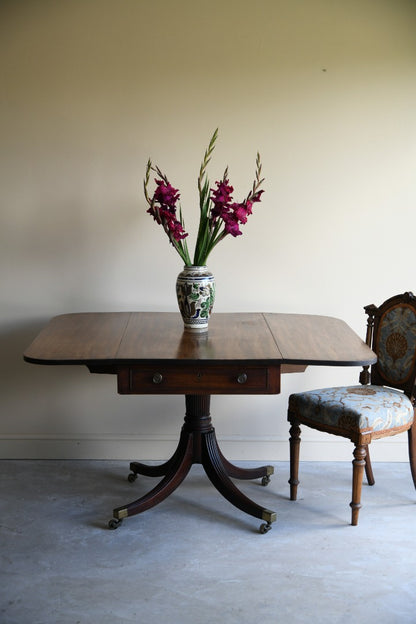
203, 237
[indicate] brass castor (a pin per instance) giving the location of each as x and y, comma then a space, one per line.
132, 477
114, 523
265, 527
266, 480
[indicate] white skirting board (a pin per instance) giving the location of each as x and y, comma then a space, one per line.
140, 447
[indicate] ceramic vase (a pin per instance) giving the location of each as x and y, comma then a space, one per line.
195, 290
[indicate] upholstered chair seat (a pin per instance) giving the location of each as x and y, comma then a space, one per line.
382, 405
356, 408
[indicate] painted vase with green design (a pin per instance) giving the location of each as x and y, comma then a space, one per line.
195, 290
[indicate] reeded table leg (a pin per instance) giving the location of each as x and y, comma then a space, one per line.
155, 471
213, 465
178, 471
246, 473
197, 444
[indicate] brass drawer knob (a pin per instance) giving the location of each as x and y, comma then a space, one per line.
157, 378
242, 378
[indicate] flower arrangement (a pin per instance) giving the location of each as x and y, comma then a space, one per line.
219, 215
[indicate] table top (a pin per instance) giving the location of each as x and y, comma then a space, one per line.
116, 338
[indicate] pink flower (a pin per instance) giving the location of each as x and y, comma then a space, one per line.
221, 198
257, 196
222, 195
231, 225
165, 213
232, 214
176, 229
165, 194
219, 214
155, 214
241, 211
172, 226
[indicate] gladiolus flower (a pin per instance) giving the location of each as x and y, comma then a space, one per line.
221, 196
165, 194
219, 215
231, 225
241, 211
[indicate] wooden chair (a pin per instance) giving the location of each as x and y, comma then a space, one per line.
369, 411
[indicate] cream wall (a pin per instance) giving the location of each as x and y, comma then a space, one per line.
325, 89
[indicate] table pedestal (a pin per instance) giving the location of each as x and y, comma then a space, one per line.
197, 445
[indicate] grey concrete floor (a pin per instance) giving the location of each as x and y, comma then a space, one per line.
195, 558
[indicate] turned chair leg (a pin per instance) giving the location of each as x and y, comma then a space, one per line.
368, 468
358, 465
412, 451
294, 444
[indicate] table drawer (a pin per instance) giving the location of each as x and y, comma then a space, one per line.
196, 379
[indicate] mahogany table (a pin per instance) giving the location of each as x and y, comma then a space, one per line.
240, 354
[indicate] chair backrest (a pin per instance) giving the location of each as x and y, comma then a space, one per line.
393, 339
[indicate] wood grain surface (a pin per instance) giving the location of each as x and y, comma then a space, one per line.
140, 337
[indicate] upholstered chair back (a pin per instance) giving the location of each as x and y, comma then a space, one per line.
394, 341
